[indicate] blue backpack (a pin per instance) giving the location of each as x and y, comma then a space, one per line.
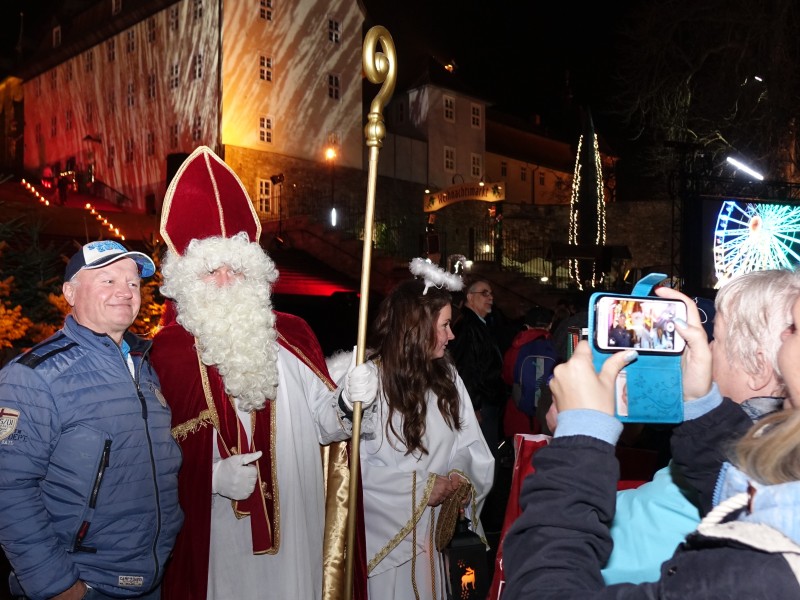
532, 372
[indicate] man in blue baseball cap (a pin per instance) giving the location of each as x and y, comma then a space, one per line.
88, 466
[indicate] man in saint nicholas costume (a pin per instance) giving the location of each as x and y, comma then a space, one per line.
265, 473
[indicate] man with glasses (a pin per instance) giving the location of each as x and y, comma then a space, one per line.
479, 360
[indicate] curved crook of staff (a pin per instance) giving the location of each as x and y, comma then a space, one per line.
380, 68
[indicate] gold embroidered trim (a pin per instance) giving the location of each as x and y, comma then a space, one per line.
309, 363
211, 416
182, 431
273, 452
412, 522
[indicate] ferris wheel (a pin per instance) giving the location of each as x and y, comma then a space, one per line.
753, 237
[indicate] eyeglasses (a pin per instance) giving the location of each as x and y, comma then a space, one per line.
484, 293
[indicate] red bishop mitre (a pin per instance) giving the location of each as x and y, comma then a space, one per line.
205, 199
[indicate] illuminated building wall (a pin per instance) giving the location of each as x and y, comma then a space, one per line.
291, 83
176, 79
454, 126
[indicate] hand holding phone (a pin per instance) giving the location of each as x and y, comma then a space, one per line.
649, 389
645, 324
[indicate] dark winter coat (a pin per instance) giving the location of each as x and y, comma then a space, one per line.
478, 360
556, 548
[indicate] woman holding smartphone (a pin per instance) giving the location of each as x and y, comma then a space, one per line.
558, 545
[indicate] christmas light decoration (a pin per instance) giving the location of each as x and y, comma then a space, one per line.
578, 237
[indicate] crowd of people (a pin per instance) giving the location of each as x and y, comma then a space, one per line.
213, 461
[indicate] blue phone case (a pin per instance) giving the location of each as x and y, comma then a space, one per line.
654, 385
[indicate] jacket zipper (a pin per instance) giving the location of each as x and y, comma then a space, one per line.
98, 479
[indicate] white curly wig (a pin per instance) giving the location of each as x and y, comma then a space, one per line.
235, 324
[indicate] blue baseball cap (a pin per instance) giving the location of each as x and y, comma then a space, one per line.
98, 254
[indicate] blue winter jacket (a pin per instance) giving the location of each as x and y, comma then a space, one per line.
88, 467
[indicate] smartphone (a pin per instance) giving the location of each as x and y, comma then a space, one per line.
646, 324
575, 334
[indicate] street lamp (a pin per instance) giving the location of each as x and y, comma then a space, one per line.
278, 180
330, 156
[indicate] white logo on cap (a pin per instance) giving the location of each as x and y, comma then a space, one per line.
95, 251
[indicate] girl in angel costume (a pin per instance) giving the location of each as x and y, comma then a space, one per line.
428, 455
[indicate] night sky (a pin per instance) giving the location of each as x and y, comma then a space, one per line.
526, 57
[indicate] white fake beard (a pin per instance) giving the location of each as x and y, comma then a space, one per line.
234, 326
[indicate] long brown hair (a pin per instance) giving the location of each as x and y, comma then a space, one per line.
403, 337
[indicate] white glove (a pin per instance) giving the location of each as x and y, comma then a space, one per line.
360, 383
235, 477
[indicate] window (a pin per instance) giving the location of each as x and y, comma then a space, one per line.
173, 18
173, 136
476, 165
151, 86
265, 68
333, 86
112, 102
449, 159
129, 150
503, 169
265, 129
110, 158
56, 36
449, 109
130, 40
38, 133
53, 79
264, 196
69, 71
523, 174
197, 66
116, 7
89, 111
334, 31
197, 129
53, 126
173, 76
197, 10
38, 87
265, 11
151, 30
541, 177
88, 61
68, 120
477, 117
150, 144
111, 50
131, 94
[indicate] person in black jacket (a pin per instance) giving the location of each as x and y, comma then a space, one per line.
557, 547
479, 360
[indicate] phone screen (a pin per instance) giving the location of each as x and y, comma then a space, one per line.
645, 324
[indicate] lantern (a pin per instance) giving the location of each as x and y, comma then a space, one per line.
466, 564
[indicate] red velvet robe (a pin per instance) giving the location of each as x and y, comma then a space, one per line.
181, 375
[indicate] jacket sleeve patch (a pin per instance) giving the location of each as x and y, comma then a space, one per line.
8, 422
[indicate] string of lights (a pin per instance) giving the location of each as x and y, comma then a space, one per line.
102, 220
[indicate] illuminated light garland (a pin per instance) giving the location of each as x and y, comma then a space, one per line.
574, 211
88, 206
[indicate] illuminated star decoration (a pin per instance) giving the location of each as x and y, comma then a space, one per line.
434, 276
